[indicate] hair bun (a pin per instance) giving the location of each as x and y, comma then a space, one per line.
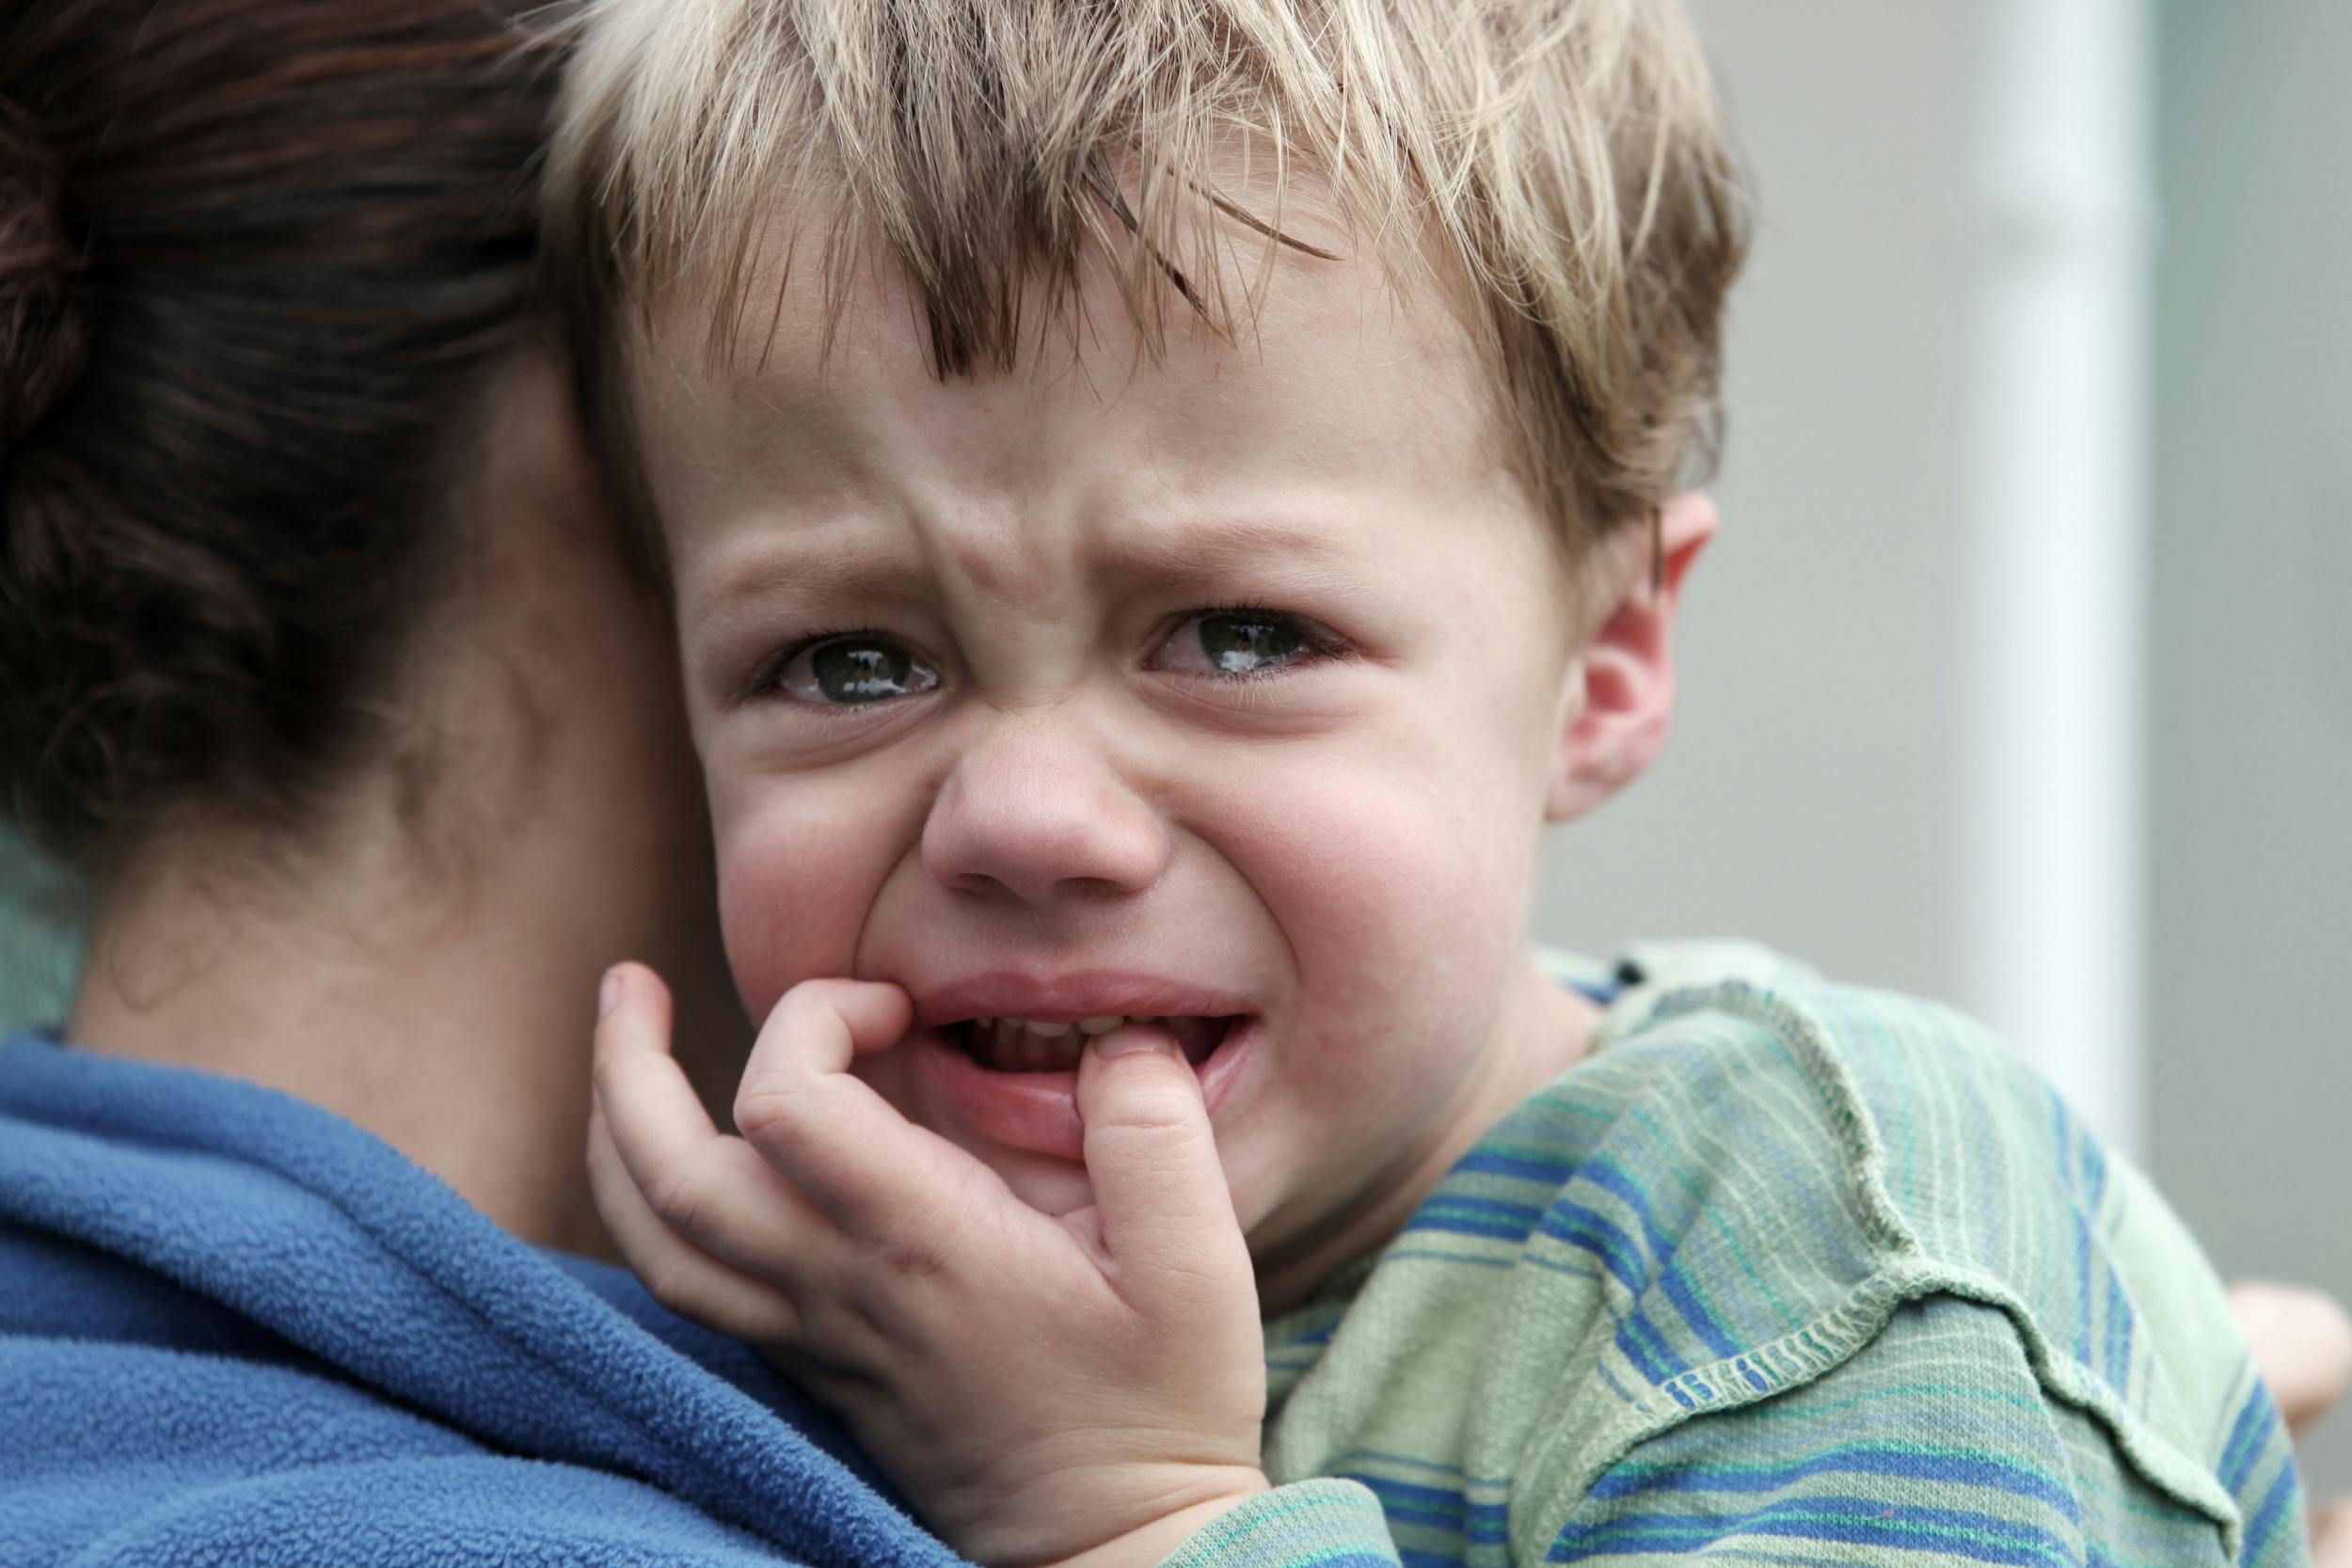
42, 335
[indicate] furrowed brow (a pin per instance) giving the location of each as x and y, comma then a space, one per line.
802, 571
1215, 547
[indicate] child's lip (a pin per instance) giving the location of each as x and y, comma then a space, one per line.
1039, 1111
1069, 996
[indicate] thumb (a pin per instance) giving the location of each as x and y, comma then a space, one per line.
1165, 1216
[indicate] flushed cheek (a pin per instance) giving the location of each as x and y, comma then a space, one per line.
1394, 887
794, 886
1403, 922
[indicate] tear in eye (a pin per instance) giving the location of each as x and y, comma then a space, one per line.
1236, 647
1233, 642
848, 671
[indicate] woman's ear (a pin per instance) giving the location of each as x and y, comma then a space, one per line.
1617, 703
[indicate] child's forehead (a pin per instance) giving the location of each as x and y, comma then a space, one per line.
823, 378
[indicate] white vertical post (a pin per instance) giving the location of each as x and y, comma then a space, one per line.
2049, 721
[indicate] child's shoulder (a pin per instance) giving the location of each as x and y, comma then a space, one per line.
1941, 1139
1879, 1144
1761, 1184
1875, 1079
1892, 1130
1798, 1154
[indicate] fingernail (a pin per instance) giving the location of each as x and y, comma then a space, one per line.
609, 992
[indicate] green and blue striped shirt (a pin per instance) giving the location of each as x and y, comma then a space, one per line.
1784, 1272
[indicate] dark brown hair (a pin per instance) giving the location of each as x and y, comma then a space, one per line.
256, 256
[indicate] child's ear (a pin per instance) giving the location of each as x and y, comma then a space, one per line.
1619, 697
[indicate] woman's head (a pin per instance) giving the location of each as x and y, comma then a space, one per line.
258, 258
309, 591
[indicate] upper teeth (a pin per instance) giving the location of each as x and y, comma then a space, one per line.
1102, 1025
1026, 1044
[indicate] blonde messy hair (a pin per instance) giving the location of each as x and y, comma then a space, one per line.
1556, 166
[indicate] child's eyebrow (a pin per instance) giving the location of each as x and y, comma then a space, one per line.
804, 571
1187, 548
1195, 546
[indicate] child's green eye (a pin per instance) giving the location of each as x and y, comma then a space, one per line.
845, 671
1235, 643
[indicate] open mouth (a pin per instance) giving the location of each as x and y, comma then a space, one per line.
1040, 1045
1012, 1081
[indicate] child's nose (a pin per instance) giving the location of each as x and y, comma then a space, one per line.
1036, 810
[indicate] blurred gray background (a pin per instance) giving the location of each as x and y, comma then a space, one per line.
1811, 797
1836, 648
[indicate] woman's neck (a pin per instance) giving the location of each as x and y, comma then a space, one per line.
457, 1033
424, 961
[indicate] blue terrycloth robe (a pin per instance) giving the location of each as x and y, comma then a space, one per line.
235, 1329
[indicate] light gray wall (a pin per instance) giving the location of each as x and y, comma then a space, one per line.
2252, 644
1806, 799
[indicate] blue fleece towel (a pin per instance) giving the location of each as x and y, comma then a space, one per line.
237, 1330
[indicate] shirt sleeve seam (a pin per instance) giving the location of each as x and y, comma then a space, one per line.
1577, 1459
1906, 1272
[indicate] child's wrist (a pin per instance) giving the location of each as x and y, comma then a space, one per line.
1147, 1545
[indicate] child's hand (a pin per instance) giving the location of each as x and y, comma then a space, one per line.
1044, 1389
